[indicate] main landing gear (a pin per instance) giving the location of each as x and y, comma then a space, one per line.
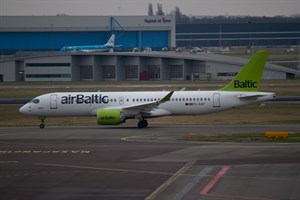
143, 123
42, 125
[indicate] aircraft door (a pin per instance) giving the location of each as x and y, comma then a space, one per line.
53, 101
121, 100
216, 100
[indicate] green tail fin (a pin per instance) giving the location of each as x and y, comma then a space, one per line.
248, 79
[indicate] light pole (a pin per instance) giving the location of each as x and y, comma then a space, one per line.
220, 37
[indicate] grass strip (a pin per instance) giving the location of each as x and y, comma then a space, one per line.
252, 137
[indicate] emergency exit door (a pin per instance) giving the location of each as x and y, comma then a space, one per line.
216, 100
53, 101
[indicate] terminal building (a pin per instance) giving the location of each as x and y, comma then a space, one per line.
126, 66
51, 33
238, 34
48, 34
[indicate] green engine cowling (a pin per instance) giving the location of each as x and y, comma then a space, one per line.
109, 117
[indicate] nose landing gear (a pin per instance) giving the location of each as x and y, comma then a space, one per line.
42, 118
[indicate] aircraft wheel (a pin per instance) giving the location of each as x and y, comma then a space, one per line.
146, 123
143, 124
140, 124
42, 118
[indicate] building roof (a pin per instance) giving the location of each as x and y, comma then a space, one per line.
208, 57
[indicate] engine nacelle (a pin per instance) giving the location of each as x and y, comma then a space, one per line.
110, 117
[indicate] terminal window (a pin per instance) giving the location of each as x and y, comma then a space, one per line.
86, 72
154, 72
109, 72
176, 71
131, 72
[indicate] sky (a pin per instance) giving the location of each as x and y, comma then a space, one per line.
140, 7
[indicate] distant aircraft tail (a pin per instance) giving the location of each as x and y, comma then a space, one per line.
111, 41
248, 79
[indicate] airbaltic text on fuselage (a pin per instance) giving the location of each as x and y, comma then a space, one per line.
84, 99
245, 84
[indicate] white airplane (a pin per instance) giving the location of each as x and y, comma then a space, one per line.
113, 108
109, 46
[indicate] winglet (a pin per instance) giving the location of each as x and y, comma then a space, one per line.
167, 97
183, 89
248, 79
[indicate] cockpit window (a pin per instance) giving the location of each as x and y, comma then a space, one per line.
36, 101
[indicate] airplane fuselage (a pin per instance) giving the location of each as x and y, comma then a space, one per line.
88, 48
92, 48
181, 103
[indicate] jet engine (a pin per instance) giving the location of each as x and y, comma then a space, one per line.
110, 117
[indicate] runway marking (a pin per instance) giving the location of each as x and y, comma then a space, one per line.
38, 174
103, 147
191, 184
105, 169
150, 138
237, 197
171, 180
44, 152
8, 162
214, 180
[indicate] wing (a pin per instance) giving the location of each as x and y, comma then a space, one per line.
147, 107
144, 108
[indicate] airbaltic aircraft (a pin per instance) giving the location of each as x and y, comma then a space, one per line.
109, 46
113, 108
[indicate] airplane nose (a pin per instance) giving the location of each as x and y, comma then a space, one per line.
23, 109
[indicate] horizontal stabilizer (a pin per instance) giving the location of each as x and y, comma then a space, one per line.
250, 97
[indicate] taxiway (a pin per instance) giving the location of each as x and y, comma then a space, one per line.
154, 163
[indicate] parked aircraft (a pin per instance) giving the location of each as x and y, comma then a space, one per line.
196, 50
113, 108
109, 46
